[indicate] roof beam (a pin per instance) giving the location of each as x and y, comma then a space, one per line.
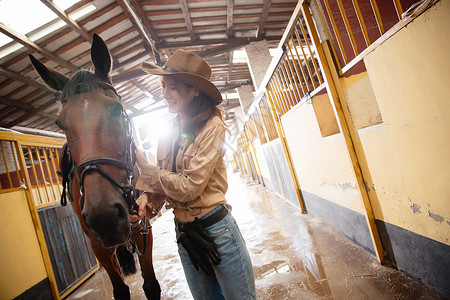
230, 10
140, 12
26, 80
262, 21
30, 114
69, 21
128, 10
187, 19
24, 106
33, 46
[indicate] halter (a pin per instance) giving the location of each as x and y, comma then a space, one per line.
94, 164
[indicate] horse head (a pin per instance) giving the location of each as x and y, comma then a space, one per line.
98, 134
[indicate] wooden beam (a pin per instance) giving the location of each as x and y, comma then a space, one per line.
128, 76
69, 21
30, 114
134, 19
140, 12
33, 46
230, 11
26, 80
187, 19
262, 20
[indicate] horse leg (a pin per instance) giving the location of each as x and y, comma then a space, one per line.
108, 260
151, 285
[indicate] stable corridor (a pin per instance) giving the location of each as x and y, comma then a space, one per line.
295, 256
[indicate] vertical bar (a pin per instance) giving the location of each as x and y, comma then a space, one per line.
6, 165
281, 93
336, 32
44, 152
305, 58
272, 89
361, 21
376, 12
36, 179
289, 92
347, 27
287, 70
38, 158
292, 76
296, 73
15, 162
311, 53
322, 17
52, 150
398, 9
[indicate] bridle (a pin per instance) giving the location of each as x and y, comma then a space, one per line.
94, 164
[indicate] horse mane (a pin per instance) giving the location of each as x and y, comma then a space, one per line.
82, 82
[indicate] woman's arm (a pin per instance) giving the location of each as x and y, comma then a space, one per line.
188, 185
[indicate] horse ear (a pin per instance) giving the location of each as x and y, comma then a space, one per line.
101, 58
52, 78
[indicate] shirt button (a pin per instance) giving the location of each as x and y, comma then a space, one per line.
179, 167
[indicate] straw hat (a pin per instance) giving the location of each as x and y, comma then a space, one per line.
189, 68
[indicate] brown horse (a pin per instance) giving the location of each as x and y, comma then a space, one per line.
99, 178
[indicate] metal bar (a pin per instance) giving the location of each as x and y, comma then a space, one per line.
347, 27
311, 53
280, 96
322, 17
272, 89
336, 32
6, 165
16, 164
55, 168
296, 72
36, 178
287, 87
293, 76
361, 22
287, 71
376, 12
305, 59
50, 177
398, 9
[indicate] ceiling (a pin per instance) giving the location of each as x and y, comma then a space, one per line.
134, 31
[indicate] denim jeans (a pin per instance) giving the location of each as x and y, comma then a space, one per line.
234, 279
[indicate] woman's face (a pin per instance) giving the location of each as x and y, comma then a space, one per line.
177, 94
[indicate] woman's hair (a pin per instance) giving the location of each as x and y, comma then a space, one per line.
201, 109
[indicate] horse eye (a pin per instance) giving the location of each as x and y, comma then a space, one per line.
117, 110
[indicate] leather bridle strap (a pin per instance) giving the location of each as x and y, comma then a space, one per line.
93, 164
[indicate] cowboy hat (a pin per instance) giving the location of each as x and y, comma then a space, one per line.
190, 69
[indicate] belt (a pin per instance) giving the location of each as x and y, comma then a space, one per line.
215, 217
209, 220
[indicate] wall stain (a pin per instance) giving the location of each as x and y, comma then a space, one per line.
415, 208
436, 217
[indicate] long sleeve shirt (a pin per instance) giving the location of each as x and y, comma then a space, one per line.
199, 181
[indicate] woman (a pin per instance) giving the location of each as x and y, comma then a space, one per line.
191, 178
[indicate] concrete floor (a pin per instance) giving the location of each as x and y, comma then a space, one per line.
295, 256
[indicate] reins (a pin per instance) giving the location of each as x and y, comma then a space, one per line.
69, 169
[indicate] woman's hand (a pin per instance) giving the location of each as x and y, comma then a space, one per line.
146, 208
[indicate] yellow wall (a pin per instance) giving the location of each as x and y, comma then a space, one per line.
408, 154
322, 165
21, 263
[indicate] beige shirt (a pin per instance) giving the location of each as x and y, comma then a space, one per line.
200, 181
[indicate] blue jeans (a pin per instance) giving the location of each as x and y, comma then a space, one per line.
234, 279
